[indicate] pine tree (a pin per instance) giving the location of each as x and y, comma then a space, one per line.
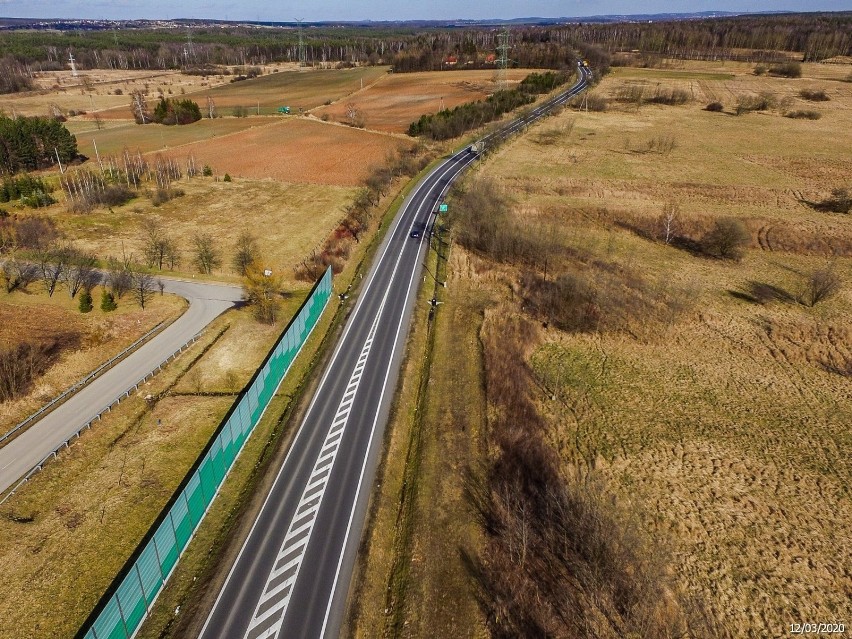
86, 301
107, 301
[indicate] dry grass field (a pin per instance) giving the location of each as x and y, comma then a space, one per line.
721, 417
85, 340
101, 90
112, 139
296, 88
288, 220
394, 101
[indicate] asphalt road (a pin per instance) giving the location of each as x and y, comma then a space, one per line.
206, 302
292, 575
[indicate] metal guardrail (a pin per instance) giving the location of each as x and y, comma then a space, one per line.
83, 382
124, 394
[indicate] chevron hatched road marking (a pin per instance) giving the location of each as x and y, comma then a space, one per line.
269, 614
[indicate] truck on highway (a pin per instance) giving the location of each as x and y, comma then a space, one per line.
476, 147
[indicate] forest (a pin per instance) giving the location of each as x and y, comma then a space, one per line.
812, 37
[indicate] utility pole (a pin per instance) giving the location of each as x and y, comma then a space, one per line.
211, 108
302, 57
73, 65
502, 59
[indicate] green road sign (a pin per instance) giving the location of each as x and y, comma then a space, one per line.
442, 208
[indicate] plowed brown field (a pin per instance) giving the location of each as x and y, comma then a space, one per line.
396, 100
296, 150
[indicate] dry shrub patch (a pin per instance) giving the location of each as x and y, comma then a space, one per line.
560, 558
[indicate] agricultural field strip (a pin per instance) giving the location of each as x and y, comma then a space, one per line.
272, 606
37, 443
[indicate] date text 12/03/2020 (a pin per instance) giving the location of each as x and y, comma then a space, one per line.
817, 628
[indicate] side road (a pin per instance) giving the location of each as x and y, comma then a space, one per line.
206, 302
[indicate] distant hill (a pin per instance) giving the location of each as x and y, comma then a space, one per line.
96, 25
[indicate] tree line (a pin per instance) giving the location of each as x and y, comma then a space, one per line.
451, 123
817, 36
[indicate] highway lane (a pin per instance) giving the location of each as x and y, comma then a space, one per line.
291, 576
206, 302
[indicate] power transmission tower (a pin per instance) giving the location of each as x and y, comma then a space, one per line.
302, 57
502, 59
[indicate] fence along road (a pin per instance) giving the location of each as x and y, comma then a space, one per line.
25, 452
291, 576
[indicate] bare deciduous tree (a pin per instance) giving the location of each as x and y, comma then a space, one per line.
18, 274
143, 287
119, 278
245, 253
52, 263
669, 221
160, 250
206, 255
80, 273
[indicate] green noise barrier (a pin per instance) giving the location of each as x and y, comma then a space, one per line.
127, 601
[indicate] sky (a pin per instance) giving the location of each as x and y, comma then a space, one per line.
322, 10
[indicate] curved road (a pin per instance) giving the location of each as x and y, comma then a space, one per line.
206, 302
291, 577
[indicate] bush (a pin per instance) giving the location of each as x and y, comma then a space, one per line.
787, 70
592, 102
207, 171
760, 69
727, 239
762, 102
715, 107
821, 285
115, 195
239, 112
803, 115
161, 196
839, 202
814, 95
227, 178
671, 97
172, 111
